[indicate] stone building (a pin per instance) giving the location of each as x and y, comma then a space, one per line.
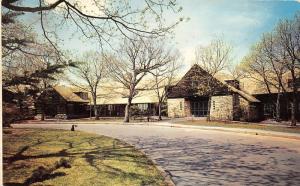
198, 94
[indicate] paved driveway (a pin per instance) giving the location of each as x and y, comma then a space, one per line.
207, 157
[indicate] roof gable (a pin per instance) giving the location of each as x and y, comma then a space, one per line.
68, 95
197, 82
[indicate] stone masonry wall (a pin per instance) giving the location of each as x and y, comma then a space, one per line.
187, 108
221, 108
244, 107
176, 107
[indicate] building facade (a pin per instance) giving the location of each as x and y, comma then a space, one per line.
269, 101
62, 103
198, 94
113, 101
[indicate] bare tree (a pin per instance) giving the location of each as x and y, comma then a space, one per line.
288, 35
275, 55
165, 77
25, 59
89, 73
236, 71
213, 58
99, 19
265, 66
136, 59
16, 37
255, 67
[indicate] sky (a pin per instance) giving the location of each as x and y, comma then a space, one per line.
240, 22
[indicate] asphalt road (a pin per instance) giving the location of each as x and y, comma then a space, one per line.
207, 157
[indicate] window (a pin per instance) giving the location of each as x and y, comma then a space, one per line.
269, 109
214, 105
199, 108
143, 106
195, 84
180, 106
111, 107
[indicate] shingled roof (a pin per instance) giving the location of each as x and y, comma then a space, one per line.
184, 87
116, 94
68, 94
243, 94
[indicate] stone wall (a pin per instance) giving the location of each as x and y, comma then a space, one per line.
176, 107
236, 115
228, 107
187, 108
249, 111
244, 109
221, 108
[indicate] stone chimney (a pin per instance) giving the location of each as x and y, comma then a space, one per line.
234, 83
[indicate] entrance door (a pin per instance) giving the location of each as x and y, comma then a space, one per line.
199, 108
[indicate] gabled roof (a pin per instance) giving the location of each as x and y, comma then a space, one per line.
184, 87
68, 94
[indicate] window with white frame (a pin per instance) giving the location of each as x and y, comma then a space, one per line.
111, 107
143, 106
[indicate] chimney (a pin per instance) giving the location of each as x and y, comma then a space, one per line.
234, 83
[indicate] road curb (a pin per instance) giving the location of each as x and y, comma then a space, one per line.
235, 130
163, 172
172, 125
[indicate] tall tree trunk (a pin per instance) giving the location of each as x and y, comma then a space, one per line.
294, 100
127, 110
293, 109
208, 109
42, 116
159, 111
43, 112
95, 108
278, 107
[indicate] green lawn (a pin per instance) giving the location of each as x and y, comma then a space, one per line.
241, 125
57, 157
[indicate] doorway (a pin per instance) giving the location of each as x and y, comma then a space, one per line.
199, 108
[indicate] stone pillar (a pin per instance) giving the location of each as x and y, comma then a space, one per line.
187, 108
221, 107
176, 107
236, 113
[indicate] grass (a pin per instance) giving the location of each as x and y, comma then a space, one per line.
34, 156
241, 125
